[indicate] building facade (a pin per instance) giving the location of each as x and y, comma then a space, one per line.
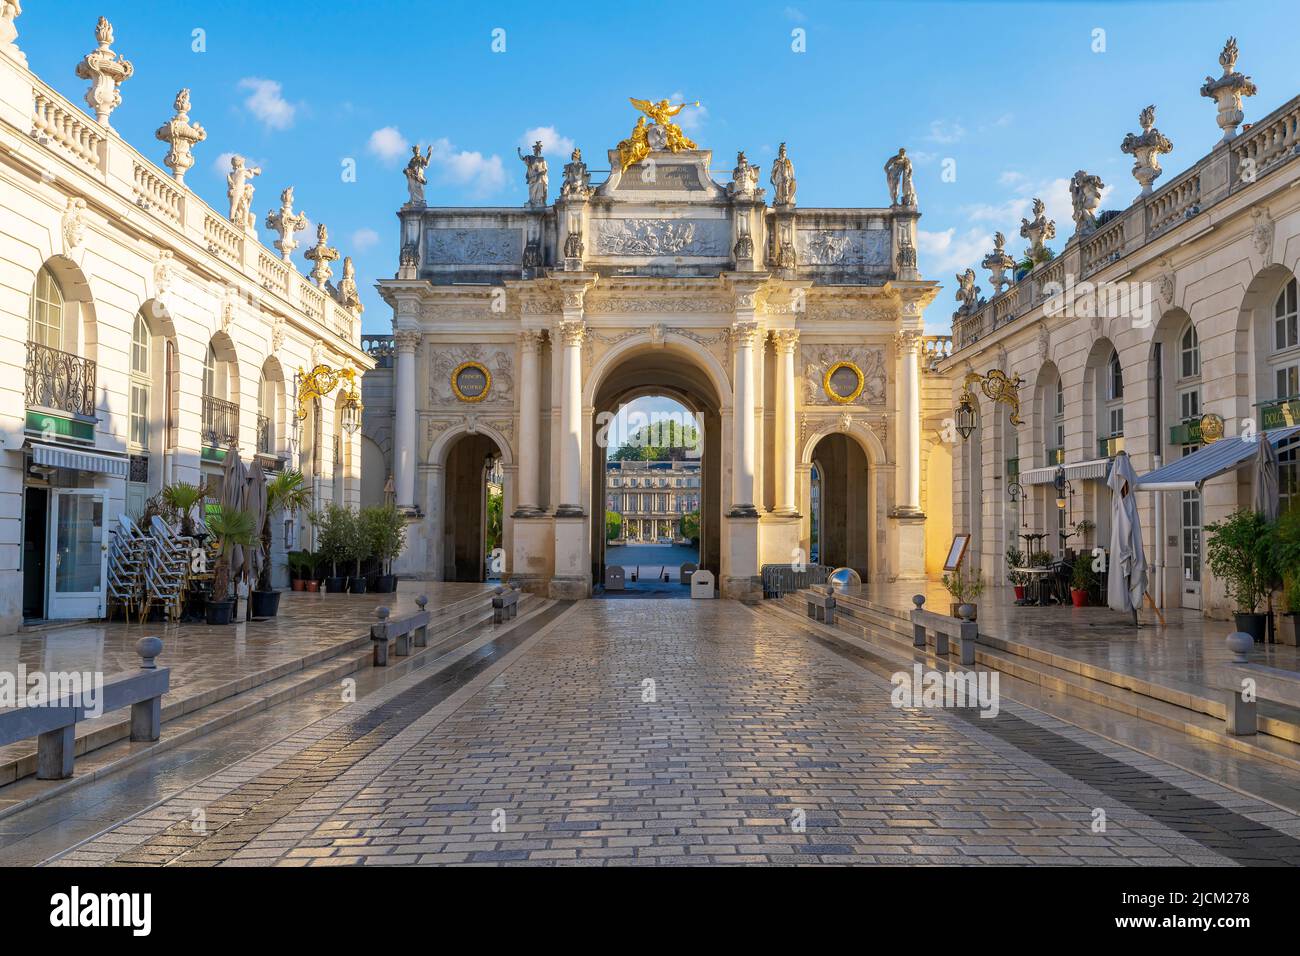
1158, 328
652, 497
793, 334
147, 334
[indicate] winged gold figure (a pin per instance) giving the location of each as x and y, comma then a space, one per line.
637, 146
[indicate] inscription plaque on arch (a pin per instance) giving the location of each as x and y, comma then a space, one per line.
471, 381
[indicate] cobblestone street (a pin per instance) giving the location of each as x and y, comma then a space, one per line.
637, 732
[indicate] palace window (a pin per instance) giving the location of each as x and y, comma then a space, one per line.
1285, 333
1114, 395
141, 343
45, 320
1189, 354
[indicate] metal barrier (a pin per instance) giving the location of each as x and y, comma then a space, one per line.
781, 579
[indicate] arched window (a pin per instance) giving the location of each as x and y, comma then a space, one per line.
1284, 318
210, 372
1114, 396
266, 416
45, 320
141, 344
1189, 353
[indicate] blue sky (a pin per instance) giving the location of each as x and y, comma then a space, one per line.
1015, 93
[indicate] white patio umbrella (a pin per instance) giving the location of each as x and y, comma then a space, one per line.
1266, 486
1127, 581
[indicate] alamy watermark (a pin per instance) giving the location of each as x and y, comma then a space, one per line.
23, 688
950, 689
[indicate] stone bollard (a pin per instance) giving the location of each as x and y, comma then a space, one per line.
422, 632
918, 630
969, 633
149, 648
379, 637
1241, 715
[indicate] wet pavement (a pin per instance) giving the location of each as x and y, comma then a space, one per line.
644, 732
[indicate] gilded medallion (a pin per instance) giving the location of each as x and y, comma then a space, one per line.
843, 382
471, 381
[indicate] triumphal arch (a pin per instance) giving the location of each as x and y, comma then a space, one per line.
793, 334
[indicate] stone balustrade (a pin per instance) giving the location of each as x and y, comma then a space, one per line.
1261, 150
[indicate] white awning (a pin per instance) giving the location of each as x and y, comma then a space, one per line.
1226, 454
1080, 470
55, 456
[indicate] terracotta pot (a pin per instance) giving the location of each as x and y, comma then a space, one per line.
298, 584
312, 586
1079, 598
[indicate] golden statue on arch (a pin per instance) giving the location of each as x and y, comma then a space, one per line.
663, 134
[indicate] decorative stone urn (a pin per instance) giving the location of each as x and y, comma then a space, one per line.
1228, 90
1146, 150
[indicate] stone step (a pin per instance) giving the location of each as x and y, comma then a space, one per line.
1195, 716
104, 745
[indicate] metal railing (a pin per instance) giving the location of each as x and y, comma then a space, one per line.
265, 437
779, 579
380, 348
220, 422
60, 380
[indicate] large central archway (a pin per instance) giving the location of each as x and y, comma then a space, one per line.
679, 371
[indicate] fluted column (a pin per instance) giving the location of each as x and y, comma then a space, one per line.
786, 342
571, 332
909, 422
405, 343
744, 336
530, 345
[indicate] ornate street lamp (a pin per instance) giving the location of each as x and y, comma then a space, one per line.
1015, 491
320, 382
965, 415
1063, 487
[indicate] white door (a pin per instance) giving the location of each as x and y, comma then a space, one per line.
79, 555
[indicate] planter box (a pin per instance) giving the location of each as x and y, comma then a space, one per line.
266, 603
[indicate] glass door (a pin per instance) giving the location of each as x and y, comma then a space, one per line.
79, 555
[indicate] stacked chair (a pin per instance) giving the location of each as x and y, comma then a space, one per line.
166, 572
127, 560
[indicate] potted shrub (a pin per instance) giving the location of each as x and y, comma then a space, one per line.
299, 565
1240, 552
355, 549
230, 529
1082, 529
1286, 561
965, 587
385, 530
284, 491
1082, 580
183, 498
1017, 579
311, 583
332, 543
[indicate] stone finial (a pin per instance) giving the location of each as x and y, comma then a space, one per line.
1228, 90
1240, 643
1146, 150
422, 600
998, 262
149, 648
1038, 232
10, 10
382, 613
918, 600
347, 294
322, 254
106, 71
967, 612
1085, 196
239, 190
181, 135
286, 222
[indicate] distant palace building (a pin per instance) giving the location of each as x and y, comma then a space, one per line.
652, 497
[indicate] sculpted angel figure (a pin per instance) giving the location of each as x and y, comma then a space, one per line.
636, 147
239, 190
669, 132
414, 172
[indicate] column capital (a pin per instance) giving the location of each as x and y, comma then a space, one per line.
571, 332
908, 340
785, 340
407, 340
745, 334
530, 340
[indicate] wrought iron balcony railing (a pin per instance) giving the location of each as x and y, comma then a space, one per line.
220, 422
60, 380
265, 438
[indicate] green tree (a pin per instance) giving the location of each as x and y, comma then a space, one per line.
613, 525
690, 525
494, 509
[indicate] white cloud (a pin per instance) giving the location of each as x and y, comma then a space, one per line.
364, 239
1011, 177
553, 144
267, 103
693, 117
945, 253
388, 144
795, 14
944, 131
482, 175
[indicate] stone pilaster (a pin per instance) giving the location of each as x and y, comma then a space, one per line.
530, 345
405, 343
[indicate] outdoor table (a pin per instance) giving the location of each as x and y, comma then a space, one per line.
1036, 577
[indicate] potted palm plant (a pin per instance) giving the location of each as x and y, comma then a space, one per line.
299, 566
1240, 551
183, 498
1082, 580
312, 563
1017, 579
284, 492
385, 531
231, 529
